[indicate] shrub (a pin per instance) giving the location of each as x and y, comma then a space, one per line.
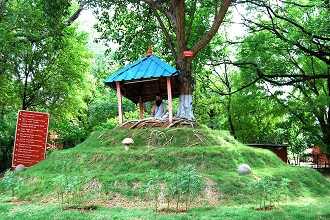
269, 190
152, 188
182, 186
68, 190
11, 182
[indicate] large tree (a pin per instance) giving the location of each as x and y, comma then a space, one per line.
183, 25
43, 65
37, 43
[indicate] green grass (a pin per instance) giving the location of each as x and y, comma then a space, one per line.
302, 210
215, 154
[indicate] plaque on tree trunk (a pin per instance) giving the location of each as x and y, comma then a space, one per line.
30, 138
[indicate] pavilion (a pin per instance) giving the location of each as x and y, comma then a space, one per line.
144, 79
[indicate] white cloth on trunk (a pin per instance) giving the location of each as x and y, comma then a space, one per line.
185, 108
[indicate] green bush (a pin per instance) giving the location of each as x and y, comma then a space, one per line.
269, 190
152, 188
68, 190
182, 186
11, 182
185, 185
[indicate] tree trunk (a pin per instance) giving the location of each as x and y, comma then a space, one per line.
24, 96
327, 133
186, 89
184, 65
230, 119
324, 122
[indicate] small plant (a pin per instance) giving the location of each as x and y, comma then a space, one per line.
60, 183
11, 182
284, 188
184, 186
269, 191
153, 188
68, 190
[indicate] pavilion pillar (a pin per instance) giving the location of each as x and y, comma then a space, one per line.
169, 97
119, 100
141, 107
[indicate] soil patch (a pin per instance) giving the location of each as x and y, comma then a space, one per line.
266, 208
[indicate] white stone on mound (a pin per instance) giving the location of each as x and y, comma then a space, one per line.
244, 169
20, 168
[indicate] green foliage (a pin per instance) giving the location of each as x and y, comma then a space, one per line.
152, 188
268, 90
288, 52
44, 66
11, 182
298, 142
134, 26
185, 185
68, 190
102, 109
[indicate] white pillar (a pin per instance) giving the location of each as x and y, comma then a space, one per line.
119, 99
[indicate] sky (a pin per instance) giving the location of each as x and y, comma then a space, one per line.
86, 22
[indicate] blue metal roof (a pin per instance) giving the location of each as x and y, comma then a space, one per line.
147, 67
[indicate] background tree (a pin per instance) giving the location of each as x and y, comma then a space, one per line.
43, 67
289, 48
283, 68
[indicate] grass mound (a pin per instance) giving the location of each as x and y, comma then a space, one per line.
101, 162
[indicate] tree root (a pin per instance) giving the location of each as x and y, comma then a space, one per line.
158, 123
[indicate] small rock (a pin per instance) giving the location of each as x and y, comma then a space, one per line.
20, 168
244, 169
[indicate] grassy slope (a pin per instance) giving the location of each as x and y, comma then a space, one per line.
215, 154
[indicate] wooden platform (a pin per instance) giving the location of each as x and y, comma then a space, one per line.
158, 123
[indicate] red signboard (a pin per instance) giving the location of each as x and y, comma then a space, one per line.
31, 138
188, 53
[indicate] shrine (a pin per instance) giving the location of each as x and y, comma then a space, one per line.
143, 80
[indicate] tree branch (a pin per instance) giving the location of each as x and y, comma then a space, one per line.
166, 33
179, 7
157, 6
75, 15
192, 17
218, 19
294, 78
321, 53
240, 89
